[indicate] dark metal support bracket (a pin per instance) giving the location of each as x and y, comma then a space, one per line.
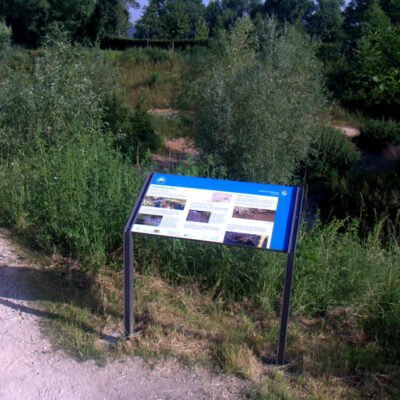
287, 287
129, 318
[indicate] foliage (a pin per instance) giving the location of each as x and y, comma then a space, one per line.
202, 31
222, 14
53, 104
144, 137
5, 35
374, 73
61, 181
150, 54
256, 112
175, 22
74, 197
377, 134
326, 21
292, 11
118, 43
171, 19
149, 24
82, 19
331, 154
133, 131
108, 17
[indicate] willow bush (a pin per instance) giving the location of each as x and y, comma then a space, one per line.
258, 101
62, 182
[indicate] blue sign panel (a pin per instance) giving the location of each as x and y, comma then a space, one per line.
227, 212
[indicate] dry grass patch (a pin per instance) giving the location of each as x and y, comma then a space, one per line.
328, 357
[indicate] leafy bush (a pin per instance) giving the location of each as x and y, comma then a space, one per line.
376, 134
118, 43
62, 183
256, 112
137, 54
61, 99
372, 77
331, 152
5, 35
74, 197
133, 131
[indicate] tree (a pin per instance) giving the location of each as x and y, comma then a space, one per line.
361, 16
194, 9
26, 19
5, 35
222, 14
257, 111
71, 16
373, 79
149, 24
31, 20
201, 28
109, 17
392, 10
292, 11
174, 21
326, 21
170, 19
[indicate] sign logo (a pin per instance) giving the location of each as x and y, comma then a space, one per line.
161, 180
284, 192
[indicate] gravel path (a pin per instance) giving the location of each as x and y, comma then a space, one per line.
31, 369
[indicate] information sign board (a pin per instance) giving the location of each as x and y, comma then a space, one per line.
227, 212
243, 214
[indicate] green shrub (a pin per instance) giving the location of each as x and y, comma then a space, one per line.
62, 182
331, 152
118, 43
74, 197
137, 54
62, 98
256, 112
133, 131
5, 35
372, 77
376, 134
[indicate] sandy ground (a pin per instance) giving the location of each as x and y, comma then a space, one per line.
31, 369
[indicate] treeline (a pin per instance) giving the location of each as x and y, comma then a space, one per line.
359, 43
85, 21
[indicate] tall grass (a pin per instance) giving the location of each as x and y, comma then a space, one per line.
62, 182
75, 197
154, 71
334, 269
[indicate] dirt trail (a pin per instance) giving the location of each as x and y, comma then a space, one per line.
31, 369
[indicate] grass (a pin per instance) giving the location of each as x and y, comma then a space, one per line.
158, 77
341, 116
198, 303
329, 356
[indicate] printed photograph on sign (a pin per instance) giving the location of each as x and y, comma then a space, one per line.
198, 216
149, 219
246, 239
220, 197
258, 214
164, 202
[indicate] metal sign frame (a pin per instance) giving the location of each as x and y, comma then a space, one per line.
128, 249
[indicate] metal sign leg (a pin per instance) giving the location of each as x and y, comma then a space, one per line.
285, 308
287, 286
129, 320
